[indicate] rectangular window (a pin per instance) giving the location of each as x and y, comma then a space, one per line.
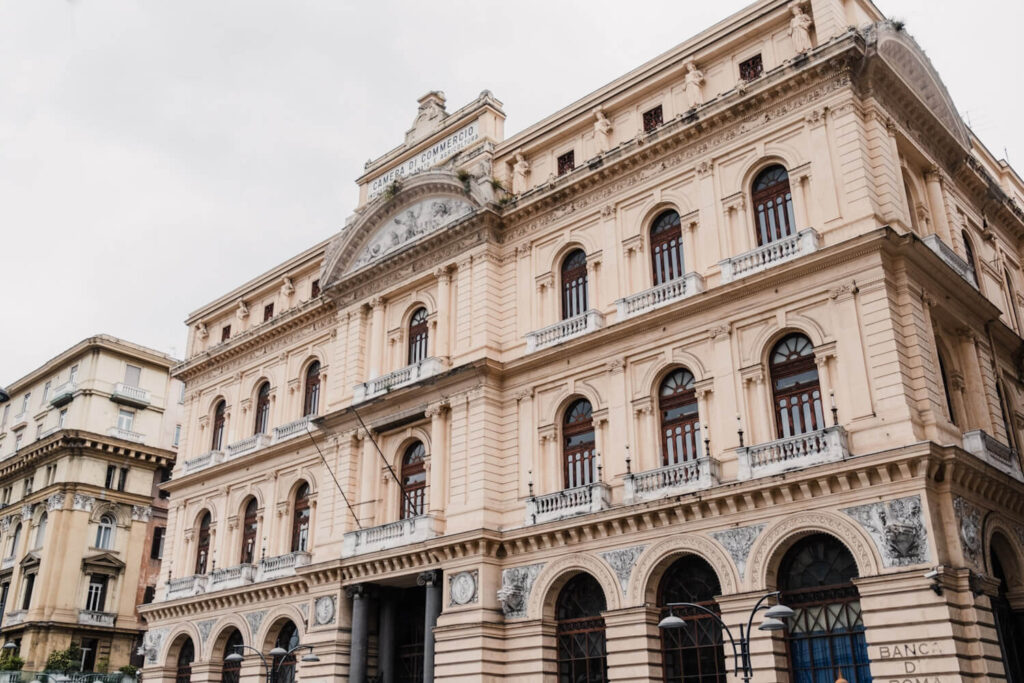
181, 396
225, 333
46, 394
96, 600
39, 430
7, 412
5, 588
28, 485
157, 551
18, 438
111, 476
51, 474
751, 68
73, 374
268, 312
314, 291
132, 375
122, 479
149, 595
177, 436
653, 119
24, 403
125, 420
30, 583
566, 162
62, 418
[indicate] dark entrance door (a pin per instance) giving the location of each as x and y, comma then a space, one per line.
411, 612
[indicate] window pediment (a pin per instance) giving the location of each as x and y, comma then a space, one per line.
102, 562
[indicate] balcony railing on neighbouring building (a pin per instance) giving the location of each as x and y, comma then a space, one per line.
428, 367
232, 577
564, 330
186, 586
91, 618
126, 393
952, 259
661, 295
387, 536
15, 618
770, 255
125, 434
793, 453
282, 565
295, 428
567, 503
672, 480
63, 394
986, 447
248, 445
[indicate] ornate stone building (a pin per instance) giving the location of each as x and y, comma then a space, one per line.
84, 441
745, 319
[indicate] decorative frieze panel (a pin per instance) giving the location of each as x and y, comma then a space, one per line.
516, 584
622, 562
204, 628
324, 610
414, 222
738, 543
141, 513
151, 644
254, 619
55, 502
968, 518
897, 528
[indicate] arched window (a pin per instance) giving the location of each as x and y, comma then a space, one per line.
311, 401
300, 520
795, 387
574, 284
666, 248
284, 665
231, 671
1009, 623
105, 533
680, 421
418, 336
41, 531
944, 373
186, 655
1011, 301
579, 456
692, 653
773, 205
262, 409
414, 481
250, 527
219, 412
580, 631
203, 544
825, 636
969, 257
15, 540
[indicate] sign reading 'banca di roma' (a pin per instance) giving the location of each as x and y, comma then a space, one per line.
428, 158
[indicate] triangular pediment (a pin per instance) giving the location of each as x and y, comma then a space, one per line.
31, 559
102, 561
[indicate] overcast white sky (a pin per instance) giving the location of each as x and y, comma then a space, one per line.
155, 154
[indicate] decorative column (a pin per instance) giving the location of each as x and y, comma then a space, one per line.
438, 414
801, 206
360, 632
524, 399
933, 181
432, 582
704, 389
646, 456
386, 637
443, 337
376, 336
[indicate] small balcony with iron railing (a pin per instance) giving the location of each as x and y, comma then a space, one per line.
126, 434
793, 453
428, 367
658, 296
248, 445
671, 480
952, 259
579, 500
387, 536
986, 447
63, 394
564, 330
92, 618
207, 459
281, 565
232, 577
129, 395
770, 255
186, 586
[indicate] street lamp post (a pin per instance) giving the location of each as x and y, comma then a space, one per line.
740, 649
276, 652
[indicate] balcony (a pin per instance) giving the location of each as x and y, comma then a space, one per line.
564, 330
63, 394
205, 460
253, 443
292, 429
15, 618
793, 453
943, 251
693, 475
7, 562
770, 255
662, 295
986, 447
91, 618
282, 565
427, 367
129, 395
567, 503
186, 586
387, 536
125, 434
232, 577
20, 420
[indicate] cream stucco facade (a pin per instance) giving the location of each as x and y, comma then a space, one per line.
84, 440
747, 315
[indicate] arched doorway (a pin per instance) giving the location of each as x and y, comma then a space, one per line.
825, 636
1009, 623
582, 656
692, 653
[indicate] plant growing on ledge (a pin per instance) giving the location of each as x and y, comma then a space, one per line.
128, 672
392, 190
464, 178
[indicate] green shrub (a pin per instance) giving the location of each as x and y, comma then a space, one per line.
10, 661
65, 661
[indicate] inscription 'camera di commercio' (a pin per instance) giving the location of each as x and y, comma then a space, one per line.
428, 158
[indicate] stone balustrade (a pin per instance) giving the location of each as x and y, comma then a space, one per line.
92, 618
186, 586
125, 434
248, 445
770, 255
428, 367
952, 259
387, 536
692, 475
63, 394
203, 461
282, 565
567, 503
126, 393
564, 330
232, 577
986, 447
793, 453
292, 429
661, 295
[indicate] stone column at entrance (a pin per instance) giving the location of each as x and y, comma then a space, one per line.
360, 632
432, 582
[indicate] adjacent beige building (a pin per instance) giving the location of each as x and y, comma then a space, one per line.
84, 441
745, 319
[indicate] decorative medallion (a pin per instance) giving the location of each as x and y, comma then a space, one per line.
622, 561
897, 529
254, 619
204, 628
462, 588
415, 221
323, 611
515, 588
969, 518
81, 502
738, 543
